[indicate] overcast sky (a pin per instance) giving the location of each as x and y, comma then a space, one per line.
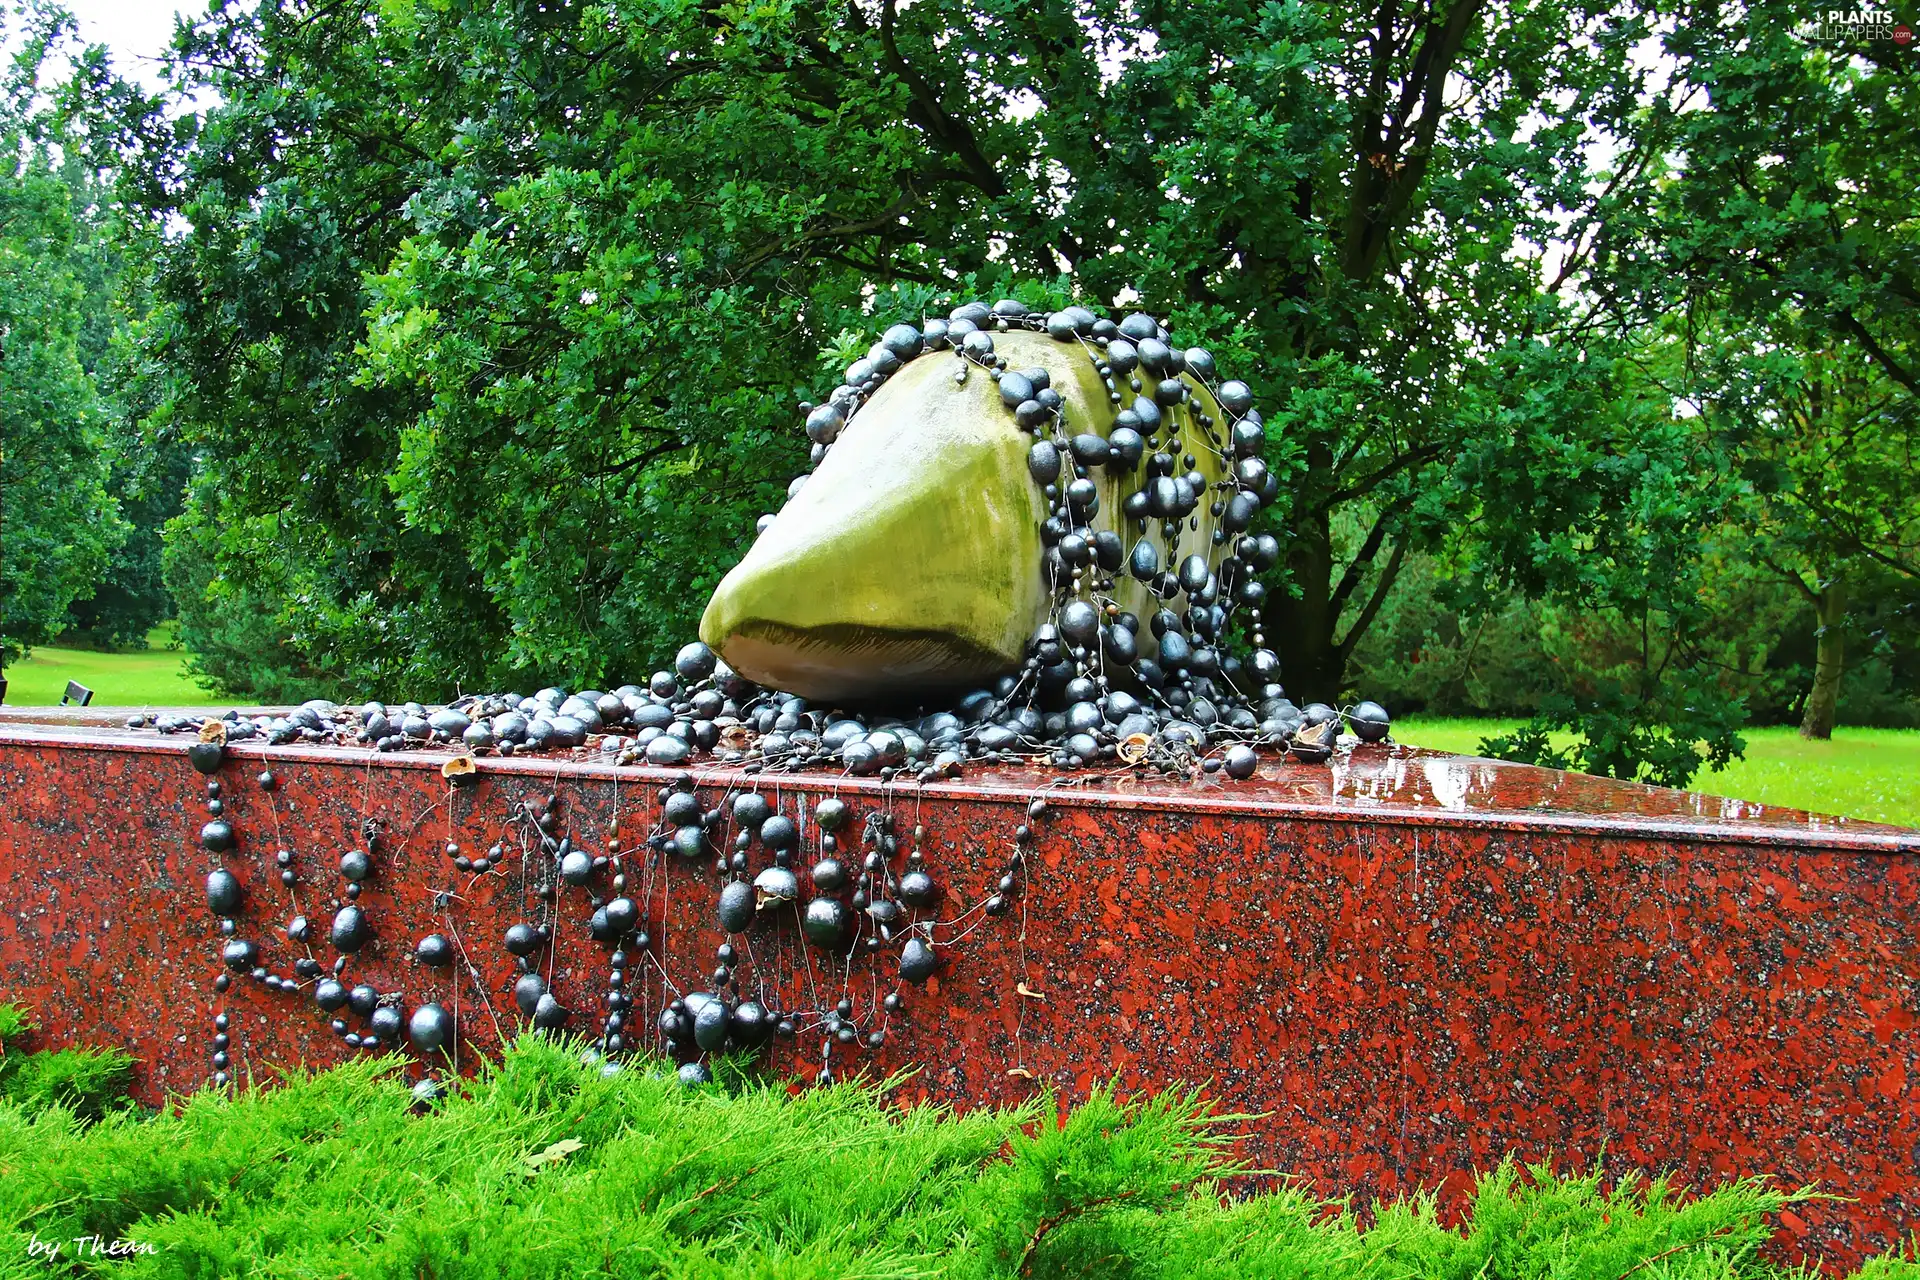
137, 31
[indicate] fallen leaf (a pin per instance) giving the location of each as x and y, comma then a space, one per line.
552, 1155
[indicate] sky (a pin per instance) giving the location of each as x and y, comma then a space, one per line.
137, 31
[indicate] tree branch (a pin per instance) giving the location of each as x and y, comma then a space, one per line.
1894, 369
955, 134
1374, 601
1364, 557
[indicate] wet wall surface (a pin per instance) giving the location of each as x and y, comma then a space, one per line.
1407, 964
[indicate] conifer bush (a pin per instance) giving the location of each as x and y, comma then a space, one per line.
543, 1166
84, 1081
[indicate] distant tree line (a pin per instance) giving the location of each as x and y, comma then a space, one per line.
458, 343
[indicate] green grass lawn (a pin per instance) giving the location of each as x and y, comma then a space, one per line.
1862, 773
153, 678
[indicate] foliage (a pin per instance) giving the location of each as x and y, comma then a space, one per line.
60, 522
151, 466
544, 1167
542, 284
487, 320
231, 626
83, 1083
1785, 249
1429, 654
1624, 733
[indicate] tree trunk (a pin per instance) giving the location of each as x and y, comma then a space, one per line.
1300, 627
1829, 661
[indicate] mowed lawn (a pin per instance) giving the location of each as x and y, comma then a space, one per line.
151, 678
1861, 773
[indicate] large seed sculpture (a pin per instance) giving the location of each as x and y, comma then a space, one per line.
1008, 496
1025, 536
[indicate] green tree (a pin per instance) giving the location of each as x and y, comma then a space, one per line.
1828, 451
58, 523
150, 465
490, 318
1787, 242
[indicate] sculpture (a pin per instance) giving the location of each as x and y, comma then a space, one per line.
976, 476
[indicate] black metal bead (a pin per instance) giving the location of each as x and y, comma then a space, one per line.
825, 922
223, 893
430, 1028
239, 956
736, 906
918, 960
350, 929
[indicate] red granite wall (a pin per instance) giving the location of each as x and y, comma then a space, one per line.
1407, 990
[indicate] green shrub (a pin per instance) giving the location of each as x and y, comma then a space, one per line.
85, 1083
544, 1167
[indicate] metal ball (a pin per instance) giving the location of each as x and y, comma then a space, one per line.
825, 922
576, 867
223, 893
434, 951
549, 1014
362, 1000
778, 832
751, 810
736, 906
385, 1023
749, 1024
917, 889
622, 915
830, 814
1370, 721
1241, 761
350, 929
917, 960
430, 1028
682, 809
710, 1025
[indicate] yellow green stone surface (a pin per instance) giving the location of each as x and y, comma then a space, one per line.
911, 559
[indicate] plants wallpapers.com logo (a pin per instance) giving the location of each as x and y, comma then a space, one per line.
1854, 27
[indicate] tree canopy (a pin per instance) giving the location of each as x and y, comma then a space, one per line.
518, 272
59, 523
485, 323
